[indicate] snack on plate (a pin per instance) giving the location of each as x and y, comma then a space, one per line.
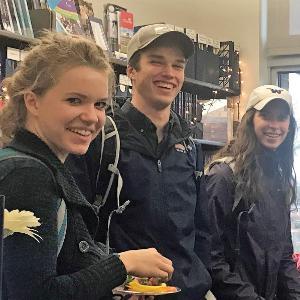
136, 286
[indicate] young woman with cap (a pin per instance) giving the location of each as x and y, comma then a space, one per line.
251, 186
57, 101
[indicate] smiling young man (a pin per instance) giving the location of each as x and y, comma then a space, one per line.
160, 165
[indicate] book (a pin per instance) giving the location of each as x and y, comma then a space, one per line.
13, 57
43, 3
5, 16
111, 18
67, 18
97, 33
42, 19
14, 16
2, 63
85, 10
36, 4
20, 15
125, 29
24, 18
33, 4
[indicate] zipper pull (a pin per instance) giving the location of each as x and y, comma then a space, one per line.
159, 167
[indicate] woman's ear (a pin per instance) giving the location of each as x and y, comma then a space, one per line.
31, 102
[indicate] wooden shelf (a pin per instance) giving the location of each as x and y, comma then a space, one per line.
118, 62
210, 145
204, 90
15, 40
207, 90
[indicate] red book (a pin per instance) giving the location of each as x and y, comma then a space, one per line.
126, 25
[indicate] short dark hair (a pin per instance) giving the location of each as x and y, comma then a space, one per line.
134, 61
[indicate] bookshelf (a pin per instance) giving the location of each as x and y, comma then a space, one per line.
10, 39
207, 90
210, 145
202, 89
209, 148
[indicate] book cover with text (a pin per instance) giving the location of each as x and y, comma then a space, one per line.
125, 29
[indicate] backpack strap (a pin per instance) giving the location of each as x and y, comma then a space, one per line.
107, 172
8, 153
112, 166
227, 160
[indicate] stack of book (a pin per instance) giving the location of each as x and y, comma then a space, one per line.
120, 28
15, 17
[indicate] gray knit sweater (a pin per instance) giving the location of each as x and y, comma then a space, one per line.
32, 270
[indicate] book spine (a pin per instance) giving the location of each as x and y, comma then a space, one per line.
36, 4
17, 18
20, 17
9, 15
27, 20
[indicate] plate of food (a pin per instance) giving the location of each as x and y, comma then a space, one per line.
145, 287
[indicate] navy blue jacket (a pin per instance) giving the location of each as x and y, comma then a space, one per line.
168, 204
256, 263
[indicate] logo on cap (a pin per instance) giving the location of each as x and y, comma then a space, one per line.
274, 91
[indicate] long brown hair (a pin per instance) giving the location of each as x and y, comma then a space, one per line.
248, 172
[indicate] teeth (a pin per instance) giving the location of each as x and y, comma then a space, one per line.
165, 85
272, 135
81, 131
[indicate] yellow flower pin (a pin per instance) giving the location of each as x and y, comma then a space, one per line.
21, 221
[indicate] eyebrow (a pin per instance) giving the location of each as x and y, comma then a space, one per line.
157, 56
76, 94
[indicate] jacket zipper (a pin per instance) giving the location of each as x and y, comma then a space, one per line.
159, 167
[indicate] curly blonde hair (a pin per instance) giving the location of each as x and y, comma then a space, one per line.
48, 57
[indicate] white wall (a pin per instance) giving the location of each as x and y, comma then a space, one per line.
280, 42
237, 20
283, 48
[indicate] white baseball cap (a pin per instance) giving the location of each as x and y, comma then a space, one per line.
262, 95
148, 34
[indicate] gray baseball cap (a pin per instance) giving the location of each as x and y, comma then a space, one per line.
262, 95
148, 34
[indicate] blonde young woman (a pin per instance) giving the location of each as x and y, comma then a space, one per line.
57, 101
251, 187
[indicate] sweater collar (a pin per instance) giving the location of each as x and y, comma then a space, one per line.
30, 144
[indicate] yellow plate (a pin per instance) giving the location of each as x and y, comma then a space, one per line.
121, 289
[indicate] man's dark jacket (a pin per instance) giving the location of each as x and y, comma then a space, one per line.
168, 202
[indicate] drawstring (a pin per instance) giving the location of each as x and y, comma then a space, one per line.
119, 210
237, 248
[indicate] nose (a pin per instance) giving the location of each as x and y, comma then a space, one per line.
168, 71
273, 123
91, 115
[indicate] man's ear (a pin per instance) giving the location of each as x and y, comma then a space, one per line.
31, 102
130, 72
